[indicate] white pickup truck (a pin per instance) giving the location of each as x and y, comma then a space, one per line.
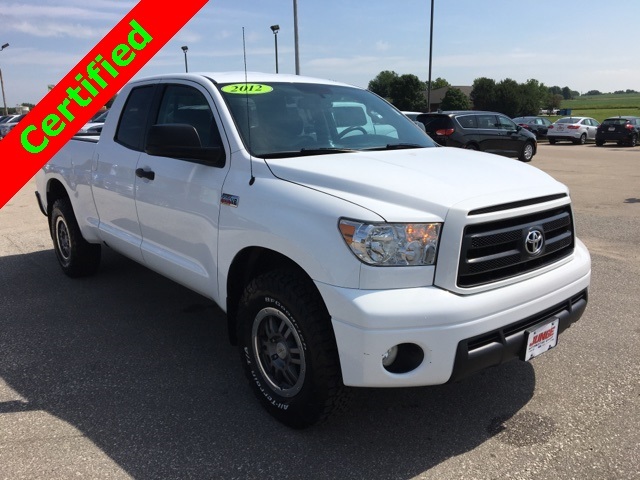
342, 256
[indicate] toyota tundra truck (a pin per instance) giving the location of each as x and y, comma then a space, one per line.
343, 255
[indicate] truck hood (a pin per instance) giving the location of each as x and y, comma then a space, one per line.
418, 184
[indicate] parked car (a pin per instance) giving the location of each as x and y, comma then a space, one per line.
94, 126
623, 130
412, 115
6, 127
487, 131
578, 130
536, 125
7, 118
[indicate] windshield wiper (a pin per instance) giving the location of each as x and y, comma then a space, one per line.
398, 146
306, 152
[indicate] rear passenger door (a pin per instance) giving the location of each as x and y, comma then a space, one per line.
178, 207
114, 178
592, 127
490, 136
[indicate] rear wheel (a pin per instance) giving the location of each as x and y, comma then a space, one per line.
527, 152
599, 143
76, 256
288, 349
582, 140
552, 141
471, 146
634, 140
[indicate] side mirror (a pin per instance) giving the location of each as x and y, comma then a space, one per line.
177, 140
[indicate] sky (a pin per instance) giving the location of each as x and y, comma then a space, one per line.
586, 45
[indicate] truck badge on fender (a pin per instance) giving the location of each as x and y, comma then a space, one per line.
230, 200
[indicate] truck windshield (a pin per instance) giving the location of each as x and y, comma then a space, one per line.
285, 119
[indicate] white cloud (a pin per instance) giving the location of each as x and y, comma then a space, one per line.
18, 11
55, 30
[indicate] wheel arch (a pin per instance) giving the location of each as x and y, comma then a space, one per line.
246, 265
55, 191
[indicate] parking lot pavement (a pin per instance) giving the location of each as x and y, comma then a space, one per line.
127, 375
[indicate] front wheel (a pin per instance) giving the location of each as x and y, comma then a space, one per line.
527, 152
76, 256
288, 349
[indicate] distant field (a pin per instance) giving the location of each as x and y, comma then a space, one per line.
603, 106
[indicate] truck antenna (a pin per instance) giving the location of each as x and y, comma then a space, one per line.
246, 95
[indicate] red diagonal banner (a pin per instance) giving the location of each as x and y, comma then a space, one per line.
86, 88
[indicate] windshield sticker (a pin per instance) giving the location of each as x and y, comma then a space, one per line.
247, 88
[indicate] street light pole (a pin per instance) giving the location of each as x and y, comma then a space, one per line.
430, 54
4, 101
275, 29
186, 67
295, 35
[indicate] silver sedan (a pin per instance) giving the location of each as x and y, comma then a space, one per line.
573, 129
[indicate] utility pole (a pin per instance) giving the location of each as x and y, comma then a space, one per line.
295, 35
4, 101
430, 56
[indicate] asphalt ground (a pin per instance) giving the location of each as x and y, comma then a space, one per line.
128, 375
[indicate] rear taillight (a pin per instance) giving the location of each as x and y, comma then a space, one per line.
628, 126
550, 127
445, 132
573, 127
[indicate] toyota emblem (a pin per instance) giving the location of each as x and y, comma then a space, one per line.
534, 242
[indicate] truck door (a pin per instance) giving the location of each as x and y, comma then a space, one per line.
178, 201
114, 176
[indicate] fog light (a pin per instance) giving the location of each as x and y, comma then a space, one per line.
403, 358
390, 356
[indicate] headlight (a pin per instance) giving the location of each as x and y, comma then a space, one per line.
392, 244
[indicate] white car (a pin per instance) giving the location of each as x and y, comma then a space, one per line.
578, 130
94, 126
7, 126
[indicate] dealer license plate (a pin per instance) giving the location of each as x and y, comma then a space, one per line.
541, 338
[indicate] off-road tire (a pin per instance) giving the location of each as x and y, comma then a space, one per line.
77, 257
288, 349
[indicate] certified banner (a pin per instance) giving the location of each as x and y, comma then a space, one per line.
86, 88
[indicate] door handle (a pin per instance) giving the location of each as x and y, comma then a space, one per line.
145, 174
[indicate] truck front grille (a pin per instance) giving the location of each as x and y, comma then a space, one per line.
497, 250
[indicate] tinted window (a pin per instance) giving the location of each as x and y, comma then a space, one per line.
187, 105
487, 121
133, 120
468, 121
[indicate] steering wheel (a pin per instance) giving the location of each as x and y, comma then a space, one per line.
352, 129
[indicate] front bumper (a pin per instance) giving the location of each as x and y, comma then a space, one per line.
459, 334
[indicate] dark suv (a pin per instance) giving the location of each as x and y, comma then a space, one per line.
487, 131
619, 129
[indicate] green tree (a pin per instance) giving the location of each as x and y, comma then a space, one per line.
455, 99
508, 98
566, 93
483, 93
407, 93
381, 85
438, 83
533, 96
